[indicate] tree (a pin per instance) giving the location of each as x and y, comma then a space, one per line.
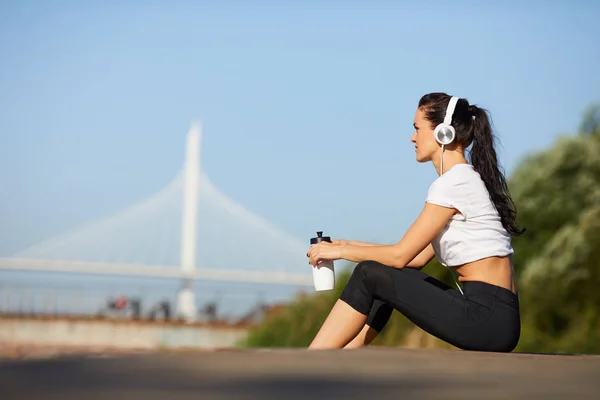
552, 188
557, 193
562, 289
591, 121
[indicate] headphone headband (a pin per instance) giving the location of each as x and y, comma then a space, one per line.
450, 110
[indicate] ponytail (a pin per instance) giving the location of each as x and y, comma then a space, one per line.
485, 162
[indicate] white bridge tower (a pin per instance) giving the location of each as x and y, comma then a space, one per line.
186, 301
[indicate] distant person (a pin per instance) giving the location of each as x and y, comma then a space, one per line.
120, 303
466, 223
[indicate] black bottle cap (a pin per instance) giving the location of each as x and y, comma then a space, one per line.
320, 238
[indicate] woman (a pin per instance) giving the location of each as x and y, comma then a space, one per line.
467, 222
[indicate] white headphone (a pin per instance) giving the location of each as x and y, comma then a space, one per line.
444, 133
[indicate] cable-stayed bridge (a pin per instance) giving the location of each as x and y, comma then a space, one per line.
189, 231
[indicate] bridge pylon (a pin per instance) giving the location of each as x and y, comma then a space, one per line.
186, 300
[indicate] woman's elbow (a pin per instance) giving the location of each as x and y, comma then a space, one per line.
416, 264
399, 260
402, 260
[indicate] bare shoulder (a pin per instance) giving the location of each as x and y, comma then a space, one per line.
432, 219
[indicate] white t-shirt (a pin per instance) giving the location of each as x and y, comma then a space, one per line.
477, 231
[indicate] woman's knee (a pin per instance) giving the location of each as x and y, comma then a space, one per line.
373, 276
359, 283
374, 271
359, 271
363, 268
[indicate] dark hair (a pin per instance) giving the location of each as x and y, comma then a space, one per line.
473, 126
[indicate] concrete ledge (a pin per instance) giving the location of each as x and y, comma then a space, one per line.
123, 334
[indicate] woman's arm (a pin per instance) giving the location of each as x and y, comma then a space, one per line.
430, 222
423, 258
418, 262
352, 242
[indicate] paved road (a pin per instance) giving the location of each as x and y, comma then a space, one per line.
370, 373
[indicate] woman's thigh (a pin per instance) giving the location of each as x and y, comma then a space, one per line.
429, 303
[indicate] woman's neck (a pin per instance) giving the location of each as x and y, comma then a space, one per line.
450, 159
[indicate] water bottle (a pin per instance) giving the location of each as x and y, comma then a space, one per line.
323, 273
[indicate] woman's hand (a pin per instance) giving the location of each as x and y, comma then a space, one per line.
323, 251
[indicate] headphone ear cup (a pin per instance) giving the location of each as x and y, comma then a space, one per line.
444, 134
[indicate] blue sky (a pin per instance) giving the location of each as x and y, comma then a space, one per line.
307, 109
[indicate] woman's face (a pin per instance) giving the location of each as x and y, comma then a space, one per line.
425, 145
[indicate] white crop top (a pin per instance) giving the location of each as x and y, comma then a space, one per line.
476, 232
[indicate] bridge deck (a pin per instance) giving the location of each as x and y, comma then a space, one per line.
373, 373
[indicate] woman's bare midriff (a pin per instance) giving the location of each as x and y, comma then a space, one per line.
493, 270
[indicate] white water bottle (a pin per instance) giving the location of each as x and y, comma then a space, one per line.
323, 273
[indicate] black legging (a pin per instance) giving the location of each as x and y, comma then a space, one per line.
485, 318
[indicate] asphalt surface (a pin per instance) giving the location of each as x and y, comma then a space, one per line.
369, 373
